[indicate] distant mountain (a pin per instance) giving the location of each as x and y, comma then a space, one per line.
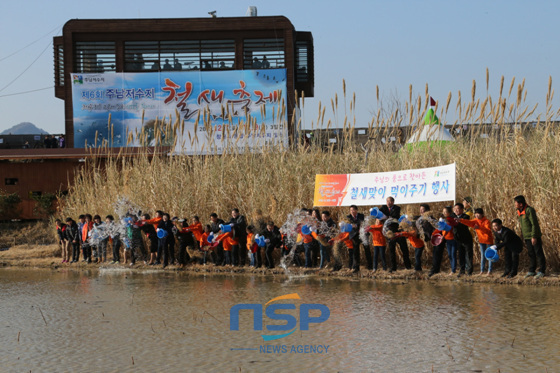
24, 128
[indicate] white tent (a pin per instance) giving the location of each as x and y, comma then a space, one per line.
432, 130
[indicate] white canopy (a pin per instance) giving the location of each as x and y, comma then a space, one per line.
434, 132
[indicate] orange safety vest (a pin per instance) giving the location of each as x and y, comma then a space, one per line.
377, 235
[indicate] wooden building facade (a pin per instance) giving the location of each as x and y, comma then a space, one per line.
34, 172
204, 44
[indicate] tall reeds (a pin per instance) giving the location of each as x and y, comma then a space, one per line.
508, 148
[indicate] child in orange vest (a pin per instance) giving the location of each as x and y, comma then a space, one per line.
228, 242
484, 233
86, 232
252, 246
417, 243
204, 245
379, 244
195, 228
308, 247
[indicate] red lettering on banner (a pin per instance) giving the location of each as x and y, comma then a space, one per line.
241, 92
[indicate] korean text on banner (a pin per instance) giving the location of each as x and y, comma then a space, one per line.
434, 184
222, 99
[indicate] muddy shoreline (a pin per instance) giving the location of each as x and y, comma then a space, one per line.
42, 257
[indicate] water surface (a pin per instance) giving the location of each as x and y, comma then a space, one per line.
123, 321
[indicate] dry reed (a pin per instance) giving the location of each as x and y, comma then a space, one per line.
498, 157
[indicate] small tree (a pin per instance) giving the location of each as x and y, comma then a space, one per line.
44, 204
8, 203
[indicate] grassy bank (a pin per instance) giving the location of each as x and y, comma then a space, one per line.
47, 257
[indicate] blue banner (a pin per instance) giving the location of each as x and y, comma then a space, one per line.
209, 110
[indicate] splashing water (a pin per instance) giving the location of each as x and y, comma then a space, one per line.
292, 227
123, 206
364, 235
387, 232
420, 224
105, 231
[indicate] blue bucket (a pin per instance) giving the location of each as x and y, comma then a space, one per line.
161, 233
260, 241
225, 228
491, 255
376, 213
345, 227
210, 238
305, 229
404, 218
443, 226
128, 221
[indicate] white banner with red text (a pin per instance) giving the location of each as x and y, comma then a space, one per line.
434, 184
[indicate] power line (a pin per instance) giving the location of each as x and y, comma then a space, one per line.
27, 68
30, 44
21, 93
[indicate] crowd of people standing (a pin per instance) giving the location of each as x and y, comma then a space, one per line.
162, 240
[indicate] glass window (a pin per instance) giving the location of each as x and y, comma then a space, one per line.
180, 55
263, 53
302, 60
95, 57
217, 54
59, 58
141, 56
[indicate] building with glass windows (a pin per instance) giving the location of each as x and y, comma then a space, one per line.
182, 44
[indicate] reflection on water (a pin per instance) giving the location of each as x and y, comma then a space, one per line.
117, 321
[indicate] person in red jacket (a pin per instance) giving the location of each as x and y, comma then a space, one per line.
484, 233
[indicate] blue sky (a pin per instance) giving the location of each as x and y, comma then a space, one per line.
392, 44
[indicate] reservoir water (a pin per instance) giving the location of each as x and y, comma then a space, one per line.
115, 320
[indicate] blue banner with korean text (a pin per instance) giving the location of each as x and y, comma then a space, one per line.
209, 111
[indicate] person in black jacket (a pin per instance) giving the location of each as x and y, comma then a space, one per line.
73, 236
185, 240
393, 211
428, 229
239, 230
327, 225
215, 226
166, 245
357, 219
511, 243
273, 239
464, 239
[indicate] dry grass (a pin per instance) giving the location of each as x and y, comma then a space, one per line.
26, 233
511, 160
